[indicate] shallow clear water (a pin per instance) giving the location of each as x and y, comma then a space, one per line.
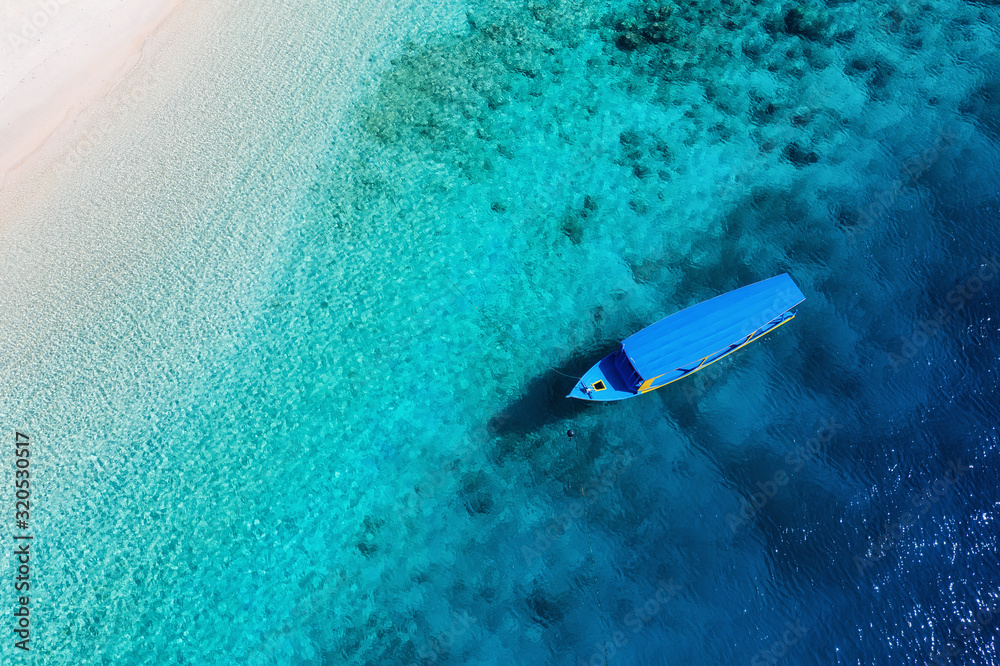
329, 430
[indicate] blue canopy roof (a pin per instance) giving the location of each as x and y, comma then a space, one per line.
701, 330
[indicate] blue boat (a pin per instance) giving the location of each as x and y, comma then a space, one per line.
690, 340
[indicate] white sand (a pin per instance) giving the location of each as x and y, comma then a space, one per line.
180, 180
58, 56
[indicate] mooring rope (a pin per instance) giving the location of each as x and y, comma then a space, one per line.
593, 560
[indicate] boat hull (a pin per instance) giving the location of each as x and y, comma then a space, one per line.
604, 381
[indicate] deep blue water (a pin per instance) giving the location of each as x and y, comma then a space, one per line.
827, 496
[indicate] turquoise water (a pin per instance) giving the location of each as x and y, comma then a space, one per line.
310, 443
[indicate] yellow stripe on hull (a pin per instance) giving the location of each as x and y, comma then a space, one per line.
704, 365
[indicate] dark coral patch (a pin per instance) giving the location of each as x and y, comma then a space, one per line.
572, 227
799, 156
544, 610
806, 22
655, 24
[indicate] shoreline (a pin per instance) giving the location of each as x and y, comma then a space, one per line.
60, 57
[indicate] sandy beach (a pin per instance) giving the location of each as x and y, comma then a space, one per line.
152, 216
58, 56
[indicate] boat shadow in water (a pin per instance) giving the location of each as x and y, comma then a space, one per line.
543, 401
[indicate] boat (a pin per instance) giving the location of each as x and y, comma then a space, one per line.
690, 340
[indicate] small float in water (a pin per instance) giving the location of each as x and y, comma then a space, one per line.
690, 340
